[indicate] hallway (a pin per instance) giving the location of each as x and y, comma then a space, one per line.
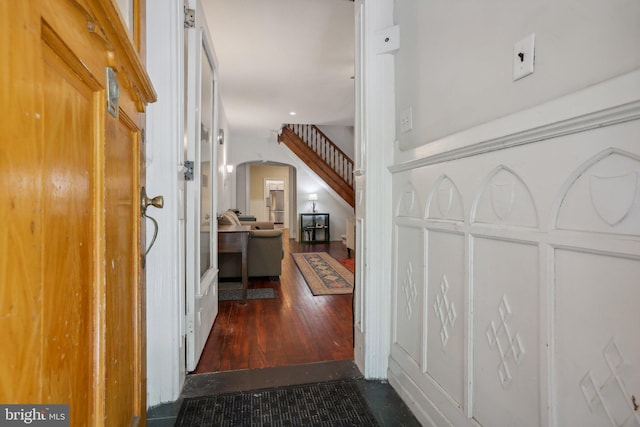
297, 338
295, 328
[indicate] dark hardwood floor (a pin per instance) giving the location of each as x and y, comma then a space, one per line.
295, 328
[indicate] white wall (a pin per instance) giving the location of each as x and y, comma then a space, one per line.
454, 68
328, 202
240, 175
513, 259
342, 136
252, 148
504, 199
225, 179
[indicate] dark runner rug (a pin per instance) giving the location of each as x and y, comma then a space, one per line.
252, 294
336, 403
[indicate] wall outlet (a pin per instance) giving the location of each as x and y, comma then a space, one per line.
406, 120
524, 57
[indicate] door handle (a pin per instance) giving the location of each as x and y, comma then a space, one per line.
156, 202
145, 202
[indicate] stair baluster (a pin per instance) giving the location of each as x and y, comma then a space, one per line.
322, 156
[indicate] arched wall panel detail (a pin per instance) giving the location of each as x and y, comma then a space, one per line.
504, 199
602, 195
444, 203
516, 287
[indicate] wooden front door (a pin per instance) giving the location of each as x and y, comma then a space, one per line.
71, 301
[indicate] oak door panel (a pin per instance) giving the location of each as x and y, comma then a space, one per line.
71, 315
20, 224
69, 243
122, 323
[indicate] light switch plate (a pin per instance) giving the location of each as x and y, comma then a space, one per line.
406, 120
524, 57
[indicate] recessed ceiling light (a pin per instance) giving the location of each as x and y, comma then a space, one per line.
292, 113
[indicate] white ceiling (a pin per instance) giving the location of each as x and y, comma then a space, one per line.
278, 56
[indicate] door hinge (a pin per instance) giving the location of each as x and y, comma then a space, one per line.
188, 173
189, 17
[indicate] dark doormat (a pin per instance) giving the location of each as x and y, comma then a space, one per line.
336, 403
236, 294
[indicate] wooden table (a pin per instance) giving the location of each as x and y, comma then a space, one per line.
235, 239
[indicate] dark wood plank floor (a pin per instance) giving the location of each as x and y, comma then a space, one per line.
295, 328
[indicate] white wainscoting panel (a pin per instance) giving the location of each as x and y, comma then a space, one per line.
409, 295
516, 275
505, 199
445, 202
505, 333
603, 195
598, 357
446, 310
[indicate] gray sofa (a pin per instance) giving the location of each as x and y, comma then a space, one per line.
265, 250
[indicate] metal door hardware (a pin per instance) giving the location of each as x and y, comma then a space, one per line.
113, 92
189, 18
145, 202
188, 174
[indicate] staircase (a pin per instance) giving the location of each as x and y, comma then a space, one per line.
323, 157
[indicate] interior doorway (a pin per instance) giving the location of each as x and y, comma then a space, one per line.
253, 192
275, 200
296, 327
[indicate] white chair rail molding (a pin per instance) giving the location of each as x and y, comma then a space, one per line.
516, 295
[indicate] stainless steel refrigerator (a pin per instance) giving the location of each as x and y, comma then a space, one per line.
276, 206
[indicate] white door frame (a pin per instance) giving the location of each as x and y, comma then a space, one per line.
201, 291
165, 269
375, 135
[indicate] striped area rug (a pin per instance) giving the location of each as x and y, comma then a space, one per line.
323, 273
